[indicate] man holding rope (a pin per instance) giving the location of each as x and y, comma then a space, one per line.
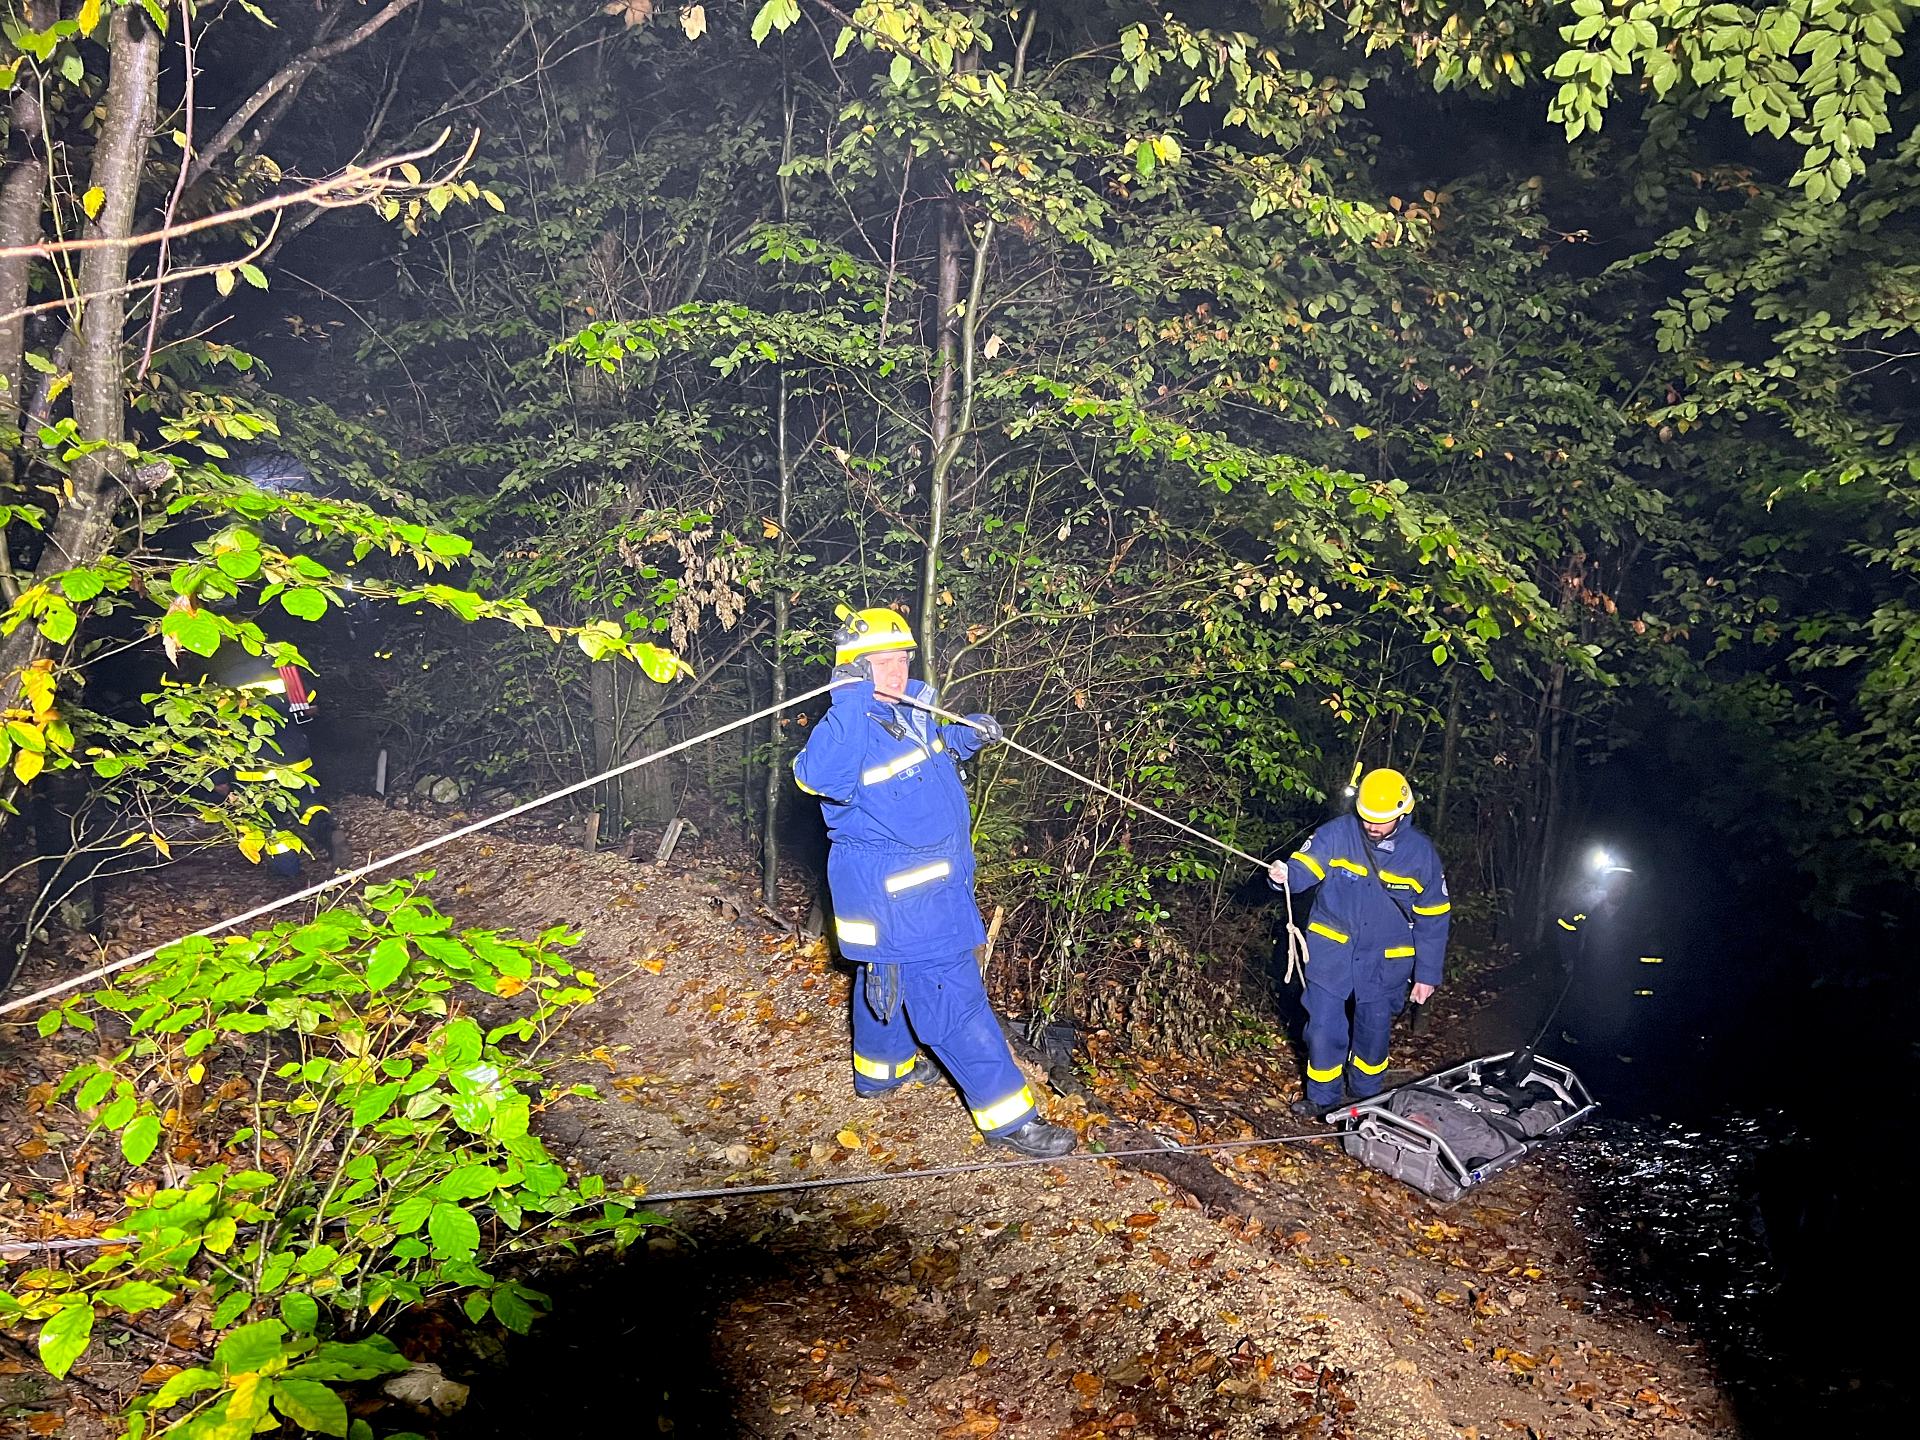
1380, 924
900, 869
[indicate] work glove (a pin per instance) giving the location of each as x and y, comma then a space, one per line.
854, 671
987, 728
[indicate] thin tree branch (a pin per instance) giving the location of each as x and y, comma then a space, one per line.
293, 73
351, 186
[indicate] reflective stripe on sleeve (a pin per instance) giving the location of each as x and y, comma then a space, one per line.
1327, 930
1388, 877
1004, 1112
1400, 952
1443, 907
919, 875
1348, 865
1311, 863
1365, 1069
1563, 924
1323, 1076
857, 932
877, 773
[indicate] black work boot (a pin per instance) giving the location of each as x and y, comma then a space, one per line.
1038, 1139
1305, 1109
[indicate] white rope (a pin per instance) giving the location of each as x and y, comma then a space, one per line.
1296, 941
348, 877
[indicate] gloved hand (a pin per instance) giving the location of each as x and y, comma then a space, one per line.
847, 678
858, 668
987, 728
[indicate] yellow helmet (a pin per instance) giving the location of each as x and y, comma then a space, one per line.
1384, 795
867, 632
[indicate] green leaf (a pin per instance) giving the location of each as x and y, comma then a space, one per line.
300, 1310
137, 1142
900, 71
370, 1105
194, 629
135, 1296
468, 1182
411, 1213
63, 1339
511, 1309
312, 1404
187, 1382
388, 961
304, 604
251, 1346
234, 1305
455, 1233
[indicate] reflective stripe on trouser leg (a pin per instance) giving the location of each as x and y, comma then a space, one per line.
883, 1050
948, 1009
1326, 1037
1372, 1032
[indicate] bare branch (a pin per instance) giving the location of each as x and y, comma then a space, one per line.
354, 185
293, 73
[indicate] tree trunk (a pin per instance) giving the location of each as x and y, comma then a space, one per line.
605, 734
941, 427
646, 794
80, 534
1448, 746
782, 504
22, 201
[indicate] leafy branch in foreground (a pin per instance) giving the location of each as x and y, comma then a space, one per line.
353, 1094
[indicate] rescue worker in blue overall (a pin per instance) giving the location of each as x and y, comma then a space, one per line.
1380, 921
900, 867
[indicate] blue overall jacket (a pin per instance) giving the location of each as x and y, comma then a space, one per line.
1371, 932
901, 862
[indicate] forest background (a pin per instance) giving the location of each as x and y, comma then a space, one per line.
1521, 394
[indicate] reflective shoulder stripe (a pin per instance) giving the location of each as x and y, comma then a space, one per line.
1323, 1076
806, 788
1311, 863
919, 875
1444, 906
1388, 877
1004, 1112
857, 932
1327, 930
1400, 952
1564, 924
877, 773
1348, 865
1365, 1069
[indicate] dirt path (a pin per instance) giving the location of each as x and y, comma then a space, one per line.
1078, 1300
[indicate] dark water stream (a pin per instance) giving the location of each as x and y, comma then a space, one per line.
1742, 1179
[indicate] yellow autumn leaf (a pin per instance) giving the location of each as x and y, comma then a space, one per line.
508, 985
27, 764
89, 21
850, 1139
660, 665
253, 844
92, 201
160, 844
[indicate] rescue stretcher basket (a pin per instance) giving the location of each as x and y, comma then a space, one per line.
1446, 1133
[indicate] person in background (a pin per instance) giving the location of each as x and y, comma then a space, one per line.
900, 868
